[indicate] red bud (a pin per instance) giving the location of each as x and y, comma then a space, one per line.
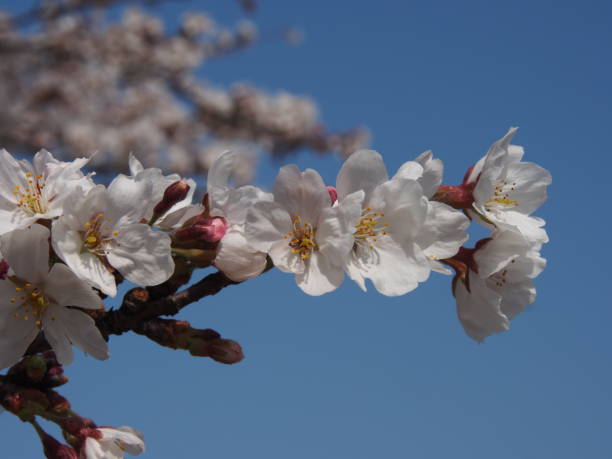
333, 194
173, 194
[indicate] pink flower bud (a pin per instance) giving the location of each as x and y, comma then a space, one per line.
205, 229
55, 377
458, 197
333, 194
173, 194
56, 450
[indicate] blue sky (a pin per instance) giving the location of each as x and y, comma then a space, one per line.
354, 375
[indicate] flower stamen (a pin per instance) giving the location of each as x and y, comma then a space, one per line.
302, 238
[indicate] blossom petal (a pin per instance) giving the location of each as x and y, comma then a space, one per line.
15, 339
301, 193
79, 329
284, 259
363, 170
237, 259
479, 309
399, 269
266, 223
443, 231
218, 178
142, 256
530, 182
131, 440
27, 252
320, 276
66, 289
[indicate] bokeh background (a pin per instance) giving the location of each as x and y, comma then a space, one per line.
358, 375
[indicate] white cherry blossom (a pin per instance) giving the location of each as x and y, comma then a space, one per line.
501, 288
507, 190
400, 233
302, 232
36, 299
103, 231
235, 256
113, 443
37, 190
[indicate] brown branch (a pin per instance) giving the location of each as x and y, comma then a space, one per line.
137, 307
141, 305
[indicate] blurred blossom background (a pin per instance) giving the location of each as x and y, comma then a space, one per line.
350, 374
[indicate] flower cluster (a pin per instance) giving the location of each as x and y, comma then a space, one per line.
494, 280
146, 74
66, 242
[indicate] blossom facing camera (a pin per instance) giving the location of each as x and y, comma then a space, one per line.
38, 190
302, 232
37, 299
400, 234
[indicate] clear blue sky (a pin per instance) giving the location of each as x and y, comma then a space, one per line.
362, 376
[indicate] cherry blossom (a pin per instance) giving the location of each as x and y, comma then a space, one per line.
113, 443
104, 232
399, 231
235, 256
37, 190
302, 232
507, 190
495, 283
37, 299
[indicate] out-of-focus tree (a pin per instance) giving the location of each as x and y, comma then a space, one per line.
76, 82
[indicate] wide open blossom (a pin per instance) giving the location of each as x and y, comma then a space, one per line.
400, 233
103, 231
507, 190
497, 284
36, 298
302, 232
236, 257
37, 190
112, 443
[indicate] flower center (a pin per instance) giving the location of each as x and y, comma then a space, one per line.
31, 198
32, 302
95, 236
370, 228
302, 238
500, 277
501, 195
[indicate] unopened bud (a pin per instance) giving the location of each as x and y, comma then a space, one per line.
333, 194
205, 229
173, 194
56, 450
55, 377
36, 367
458, 197
226, 351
